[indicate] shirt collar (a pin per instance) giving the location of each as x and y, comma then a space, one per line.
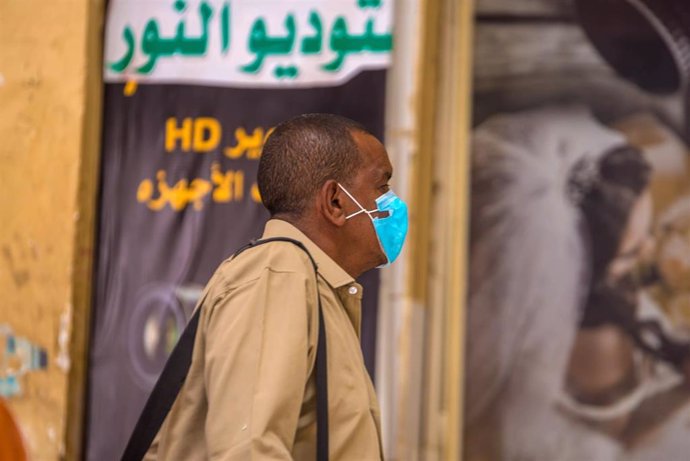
329, 269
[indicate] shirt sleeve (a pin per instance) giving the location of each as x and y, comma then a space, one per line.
257, 362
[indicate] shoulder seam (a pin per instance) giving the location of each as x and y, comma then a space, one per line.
226, 289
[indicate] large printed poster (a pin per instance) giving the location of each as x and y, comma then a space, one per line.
578, 342
193, 89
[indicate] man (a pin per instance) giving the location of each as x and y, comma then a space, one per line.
250, 392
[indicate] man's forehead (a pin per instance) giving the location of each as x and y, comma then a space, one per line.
373, 154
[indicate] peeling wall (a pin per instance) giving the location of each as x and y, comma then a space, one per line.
49, 113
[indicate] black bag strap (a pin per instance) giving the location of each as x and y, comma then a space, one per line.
177, 366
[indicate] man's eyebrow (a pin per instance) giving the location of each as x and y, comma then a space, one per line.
380, 174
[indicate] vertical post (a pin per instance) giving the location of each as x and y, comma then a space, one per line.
442, 188
459, 75
85, 228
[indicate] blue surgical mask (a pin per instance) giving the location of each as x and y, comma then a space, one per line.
391, 229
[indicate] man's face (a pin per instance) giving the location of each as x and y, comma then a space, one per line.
369, 183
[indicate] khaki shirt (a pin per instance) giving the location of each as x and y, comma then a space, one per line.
250, 392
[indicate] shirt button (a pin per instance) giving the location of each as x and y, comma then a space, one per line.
352, 290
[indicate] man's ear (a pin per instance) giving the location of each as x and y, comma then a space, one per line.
332, 202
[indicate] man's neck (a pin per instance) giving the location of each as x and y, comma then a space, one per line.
317, 232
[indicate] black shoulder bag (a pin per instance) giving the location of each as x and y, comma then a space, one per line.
176, 368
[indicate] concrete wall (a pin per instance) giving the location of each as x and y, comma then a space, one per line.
49, 133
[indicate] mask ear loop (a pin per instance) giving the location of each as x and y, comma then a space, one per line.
355, 214
361, 208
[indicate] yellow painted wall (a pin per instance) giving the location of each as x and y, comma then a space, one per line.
49, 132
